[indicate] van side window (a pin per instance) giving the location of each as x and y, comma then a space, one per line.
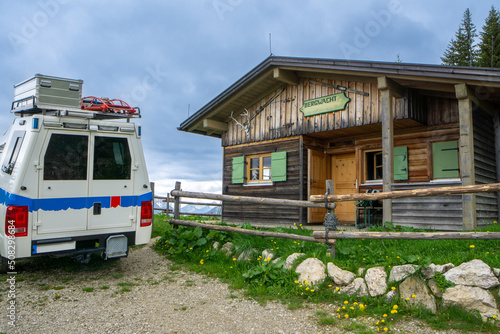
66, 158
13, 152
112, 159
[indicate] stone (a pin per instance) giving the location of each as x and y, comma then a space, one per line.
277, 260
267, 254
216, 245
473, 273
376, 281
399, 273
291, 259
496, 271
415, 292
433, 269
227, 248
361, 271
340, 276
436, 291
358, 287
472, 299
246, 254
311, 270
390, 296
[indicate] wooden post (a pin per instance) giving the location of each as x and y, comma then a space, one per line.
177, 202
496, 119
331, 243
168, 205
388, 90
466, 154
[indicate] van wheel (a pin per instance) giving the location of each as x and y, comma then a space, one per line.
4, 265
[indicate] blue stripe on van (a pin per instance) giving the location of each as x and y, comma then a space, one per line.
65, 203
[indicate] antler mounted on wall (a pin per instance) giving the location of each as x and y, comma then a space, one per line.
246, 125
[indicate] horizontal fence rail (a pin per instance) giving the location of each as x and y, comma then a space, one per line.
483, 188
251, 200
321, 235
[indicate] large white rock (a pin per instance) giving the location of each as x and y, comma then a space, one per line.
291, 259
376, 281
267, 254
399, 273
473, 273
311, 270
340, 276
472, 299
433, 269
358, 287
414, 291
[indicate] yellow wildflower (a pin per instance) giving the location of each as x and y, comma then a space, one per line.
472, 246
346, 316
201, 261
385, 329
393, 288
346, 302
395, 307
413, 296
385, 315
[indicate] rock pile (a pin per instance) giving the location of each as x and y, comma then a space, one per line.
473, 285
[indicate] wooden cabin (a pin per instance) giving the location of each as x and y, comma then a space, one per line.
292, 123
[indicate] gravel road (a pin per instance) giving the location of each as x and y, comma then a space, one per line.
146, 293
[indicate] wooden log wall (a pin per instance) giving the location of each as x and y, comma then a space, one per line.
290, 189
283, 118
485, 166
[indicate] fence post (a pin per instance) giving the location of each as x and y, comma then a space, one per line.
168, 206
177, 202
330, 216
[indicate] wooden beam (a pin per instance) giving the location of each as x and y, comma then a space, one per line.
245, 231
321, 235
286, 76
466, 154
477, 188
385, 83
214, 125
387, 114
249, 199
464, 91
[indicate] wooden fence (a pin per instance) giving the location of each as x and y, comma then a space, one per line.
328, 201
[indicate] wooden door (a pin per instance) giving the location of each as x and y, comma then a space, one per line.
316, 183
344, 182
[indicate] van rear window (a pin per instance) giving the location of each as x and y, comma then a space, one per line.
66, 157
112, 159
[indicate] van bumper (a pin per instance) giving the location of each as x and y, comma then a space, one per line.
72, 246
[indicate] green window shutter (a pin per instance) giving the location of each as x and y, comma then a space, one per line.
278, 166
445, 160
400, 163
238, 170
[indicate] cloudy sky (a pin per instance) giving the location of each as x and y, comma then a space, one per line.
170, 57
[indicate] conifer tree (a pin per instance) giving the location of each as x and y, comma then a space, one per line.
489, 46
462, 51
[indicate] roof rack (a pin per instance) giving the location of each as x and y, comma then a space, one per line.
28, 106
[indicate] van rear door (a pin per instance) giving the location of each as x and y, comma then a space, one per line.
63, 186
111, 188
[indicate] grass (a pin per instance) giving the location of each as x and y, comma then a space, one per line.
192, 248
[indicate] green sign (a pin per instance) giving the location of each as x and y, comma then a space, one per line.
325, 104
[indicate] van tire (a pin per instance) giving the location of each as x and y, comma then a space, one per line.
4, 265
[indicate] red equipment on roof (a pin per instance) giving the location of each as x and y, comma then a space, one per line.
106, 105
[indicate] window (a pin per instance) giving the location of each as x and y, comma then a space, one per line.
112, 160
374, 166
66, 158
445, 160
259, 168
263, 168
13, 152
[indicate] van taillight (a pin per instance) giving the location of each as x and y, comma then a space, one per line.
16, 221
146, 213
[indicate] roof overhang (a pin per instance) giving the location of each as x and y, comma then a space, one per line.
274, 72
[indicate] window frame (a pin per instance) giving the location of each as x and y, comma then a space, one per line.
261, 168
365, 169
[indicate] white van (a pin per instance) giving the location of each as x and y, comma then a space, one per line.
72, 181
